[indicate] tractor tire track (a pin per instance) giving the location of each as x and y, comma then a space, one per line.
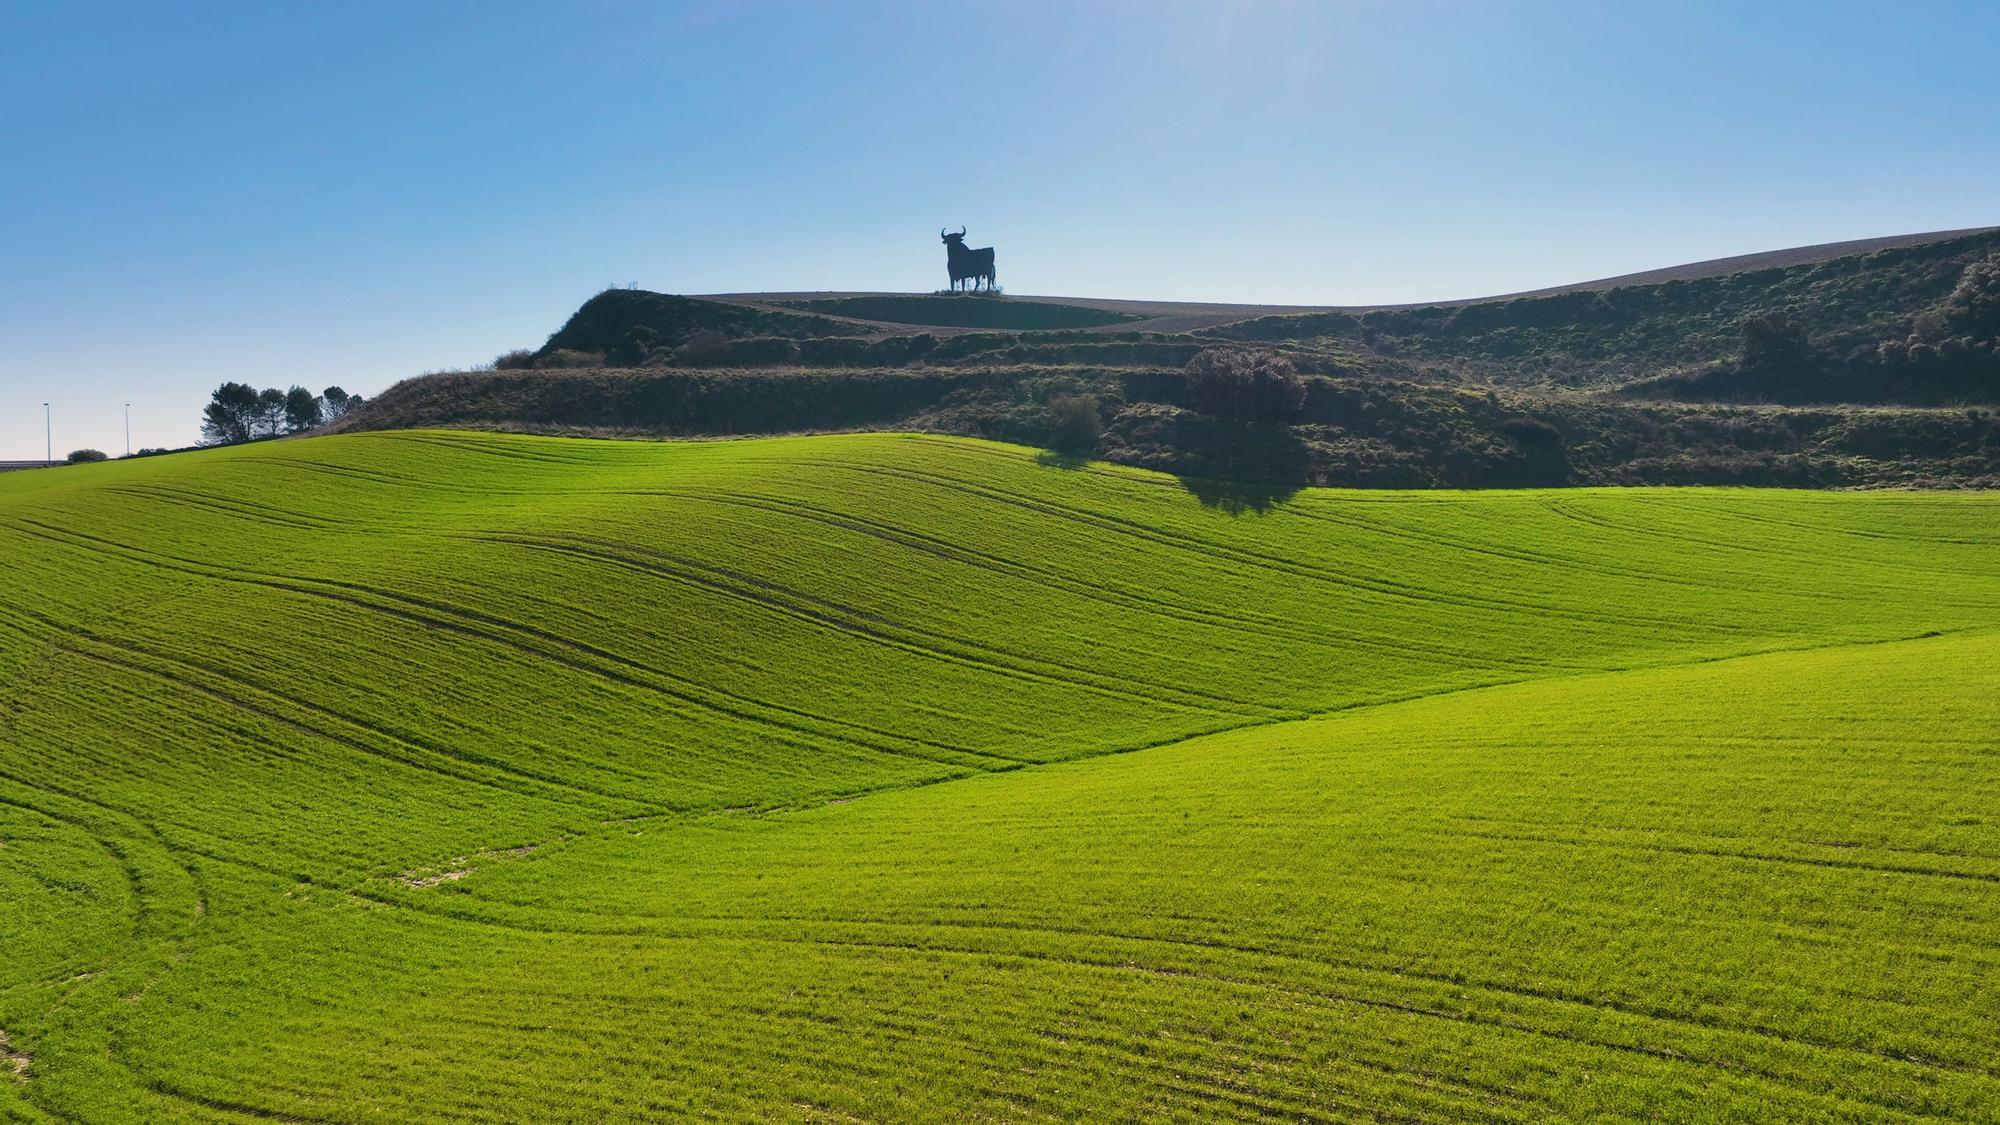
1275, 563
845, 619
1331, 639
543, 645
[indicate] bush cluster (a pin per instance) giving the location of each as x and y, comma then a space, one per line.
1075, 424
1244, 385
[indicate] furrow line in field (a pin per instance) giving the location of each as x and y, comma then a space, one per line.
1899, 536
172, 671
375, 476
1318, 960
456, 913
1155, 1071
1910, 869
1390, 1077
458, 442
125, 867
878, 628
138, 659
161, 1087
1331, 997
1455, 543
1322, 996
139, 827
231, 506
582, 657
1328, 637
179, 941
592, 659
873, 627
1540, 995
1532, 826
1245, 557
1572, 510
1739, 580
143, 661
1135, 1067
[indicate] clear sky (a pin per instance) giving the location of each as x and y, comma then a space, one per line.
352, 193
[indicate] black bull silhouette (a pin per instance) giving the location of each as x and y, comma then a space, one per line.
964, 263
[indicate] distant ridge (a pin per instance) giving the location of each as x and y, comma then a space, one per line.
1747, 263
1193, 316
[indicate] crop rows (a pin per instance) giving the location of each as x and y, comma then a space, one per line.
458, 776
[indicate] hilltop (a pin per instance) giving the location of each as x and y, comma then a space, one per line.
433, 775
1846, 365
1189, 315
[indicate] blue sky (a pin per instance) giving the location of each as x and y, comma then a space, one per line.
353, 193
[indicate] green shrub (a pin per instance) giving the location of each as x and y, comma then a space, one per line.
633, 350
1245, 385
1075, 424
703, 347
1531, 433
1973, 308
569, 357
1775, 343
83, 455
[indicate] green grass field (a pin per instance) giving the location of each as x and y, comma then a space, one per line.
439, 776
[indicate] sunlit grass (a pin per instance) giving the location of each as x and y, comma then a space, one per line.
434, 775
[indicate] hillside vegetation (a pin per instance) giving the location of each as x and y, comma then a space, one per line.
1847, 307
446, 776
1356, 432
1853, 365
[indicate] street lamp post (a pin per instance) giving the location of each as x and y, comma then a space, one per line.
128, 429
48, 437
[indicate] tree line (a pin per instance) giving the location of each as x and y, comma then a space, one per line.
241, 412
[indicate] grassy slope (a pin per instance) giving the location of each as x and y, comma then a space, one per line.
443, 775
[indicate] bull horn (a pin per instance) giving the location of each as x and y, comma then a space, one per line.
940, 232
961, 230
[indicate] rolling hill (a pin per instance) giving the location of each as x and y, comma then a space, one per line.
433, 775
1187, 316
1858, 364
1838, 288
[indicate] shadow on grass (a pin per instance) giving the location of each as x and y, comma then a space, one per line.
1235, 468
1244, 467
1239, 496
1057, 459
